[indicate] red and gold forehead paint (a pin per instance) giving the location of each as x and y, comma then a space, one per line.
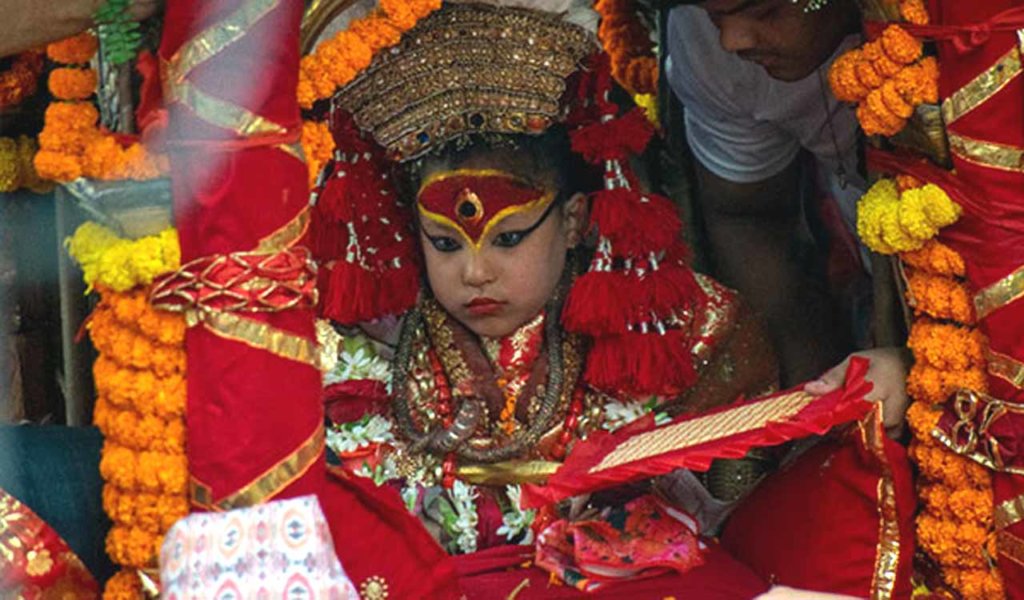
474, 201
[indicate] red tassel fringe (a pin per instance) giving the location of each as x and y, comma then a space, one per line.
641, 364
634, 225
617, 139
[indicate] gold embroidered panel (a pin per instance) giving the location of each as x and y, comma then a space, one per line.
701, 430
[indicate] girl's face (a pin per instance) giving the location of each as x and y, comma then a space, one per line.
500, 279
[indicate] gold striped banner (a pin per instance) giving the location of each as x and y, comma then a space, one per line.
259, 335
982, 87
999, 294
704, 429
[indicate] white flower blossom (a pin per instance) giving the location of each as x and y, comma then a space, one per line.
517, 521
349, 437
618, 414
357, 360
463, 498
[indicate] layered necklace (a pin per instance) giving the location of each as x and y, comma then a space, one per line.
462, 412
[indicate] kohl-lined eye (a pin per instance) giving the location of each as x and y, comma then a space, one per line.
510, 239
443, 243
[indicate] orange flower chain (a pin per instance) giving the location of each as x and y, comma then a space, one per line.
887, 78
629, 46
955, 520
21, 80
140, 407
72, 144
338, 60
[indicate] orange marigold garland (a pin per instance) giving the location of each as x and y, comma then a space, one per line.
887, 78
140, 406
72, 84
76, 50
21, 79
72, 144
317, 144
338, 60
955, 521
628, 44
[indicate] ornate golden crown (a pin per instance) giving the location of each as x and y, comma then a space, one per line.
468, 68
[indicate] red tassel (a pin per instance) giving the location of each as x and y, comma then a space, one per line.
596, 305
666, 291
617, 139
636, 224
351, 294
641, 364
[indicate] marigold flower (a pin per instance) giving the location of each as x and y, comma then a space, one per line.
72, 84
74, 50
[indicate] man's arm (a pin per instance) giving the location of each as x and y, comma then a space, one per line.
32, 23
752, 231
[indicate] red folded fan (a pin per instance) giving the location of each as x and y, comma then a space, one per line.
691, 442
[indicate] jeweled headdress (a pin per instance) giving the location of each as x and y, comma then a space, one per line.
472, 70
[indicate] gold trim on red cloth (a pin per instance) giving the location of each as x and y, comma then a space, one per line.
698, 431
268, 485
249, 282
999, 294
35, 562
969, 436
201, 48
287, 235
1009, 512
215, 39
982, 87
887, 555
261, 336
221, 113
987, 154
1010, 546
1006, 368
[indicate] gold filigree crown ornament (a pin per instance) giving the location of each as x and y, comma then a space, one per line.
468, 69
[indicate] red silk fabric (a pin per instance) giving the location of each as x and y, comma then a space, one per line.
247, 408
814, 525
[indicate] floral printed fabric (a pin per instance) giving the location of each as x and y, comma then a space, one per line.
35, 562
281, 549
644, 538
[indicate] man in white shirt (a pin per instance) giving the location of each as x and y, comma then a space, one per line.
751, 76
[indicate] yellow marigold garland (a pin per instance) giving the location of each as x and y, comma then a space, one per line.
141, 393
887, 78
889, 221
118, 264
72, 145
16, 168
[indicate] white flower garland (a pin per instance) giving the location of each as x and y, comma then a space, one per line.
517, 521
349, 437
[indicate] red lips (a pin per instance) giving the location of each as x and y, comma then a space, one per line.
484, 306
